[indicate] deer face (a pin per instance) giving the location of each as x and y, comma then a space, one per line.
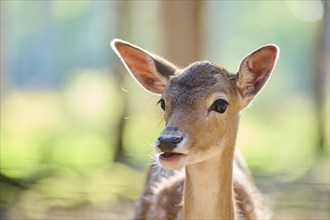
201, 103
200, 110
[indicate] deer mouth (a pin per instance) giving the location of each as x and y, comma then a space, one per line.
169, 156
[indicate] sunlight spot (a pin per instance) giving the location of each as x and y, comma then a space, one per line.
308, 11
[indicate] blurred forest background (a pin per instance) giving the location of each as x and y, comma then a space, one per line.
77, 132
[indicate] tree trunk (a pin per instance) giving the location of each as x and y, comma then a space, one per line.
320, 78
182, 26
123, 27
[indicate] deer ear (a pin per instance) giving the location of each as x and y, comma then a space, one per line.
150, 71
255, 70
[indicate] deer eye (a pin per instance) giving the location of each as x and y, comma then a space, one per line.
219, 105
162, 103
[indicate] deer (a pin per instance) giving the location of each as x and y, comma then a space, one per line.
201, 106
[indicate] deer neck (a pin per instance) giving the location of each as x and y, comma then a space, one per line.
208, 191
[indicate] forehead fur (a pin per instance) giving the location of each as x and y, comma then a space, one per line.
199, 80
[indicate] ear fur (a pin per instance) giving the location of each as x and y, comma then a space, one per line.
149, 70
255, 70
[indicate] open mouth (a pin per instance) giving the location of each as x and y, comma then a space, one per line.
167, 156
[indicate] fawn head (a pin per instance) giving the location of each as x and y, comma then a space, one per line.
201, 102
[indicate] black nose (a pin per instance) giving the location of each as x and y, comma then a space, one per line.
168, 143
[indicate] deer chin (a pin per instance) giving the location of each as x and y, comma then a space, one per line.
196, 156
172, 160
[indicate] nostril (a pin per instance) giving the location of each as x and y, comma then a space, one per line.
161, 139
177, 140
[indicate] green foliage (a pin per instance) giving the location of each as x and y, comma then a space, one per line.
274, 139
65, 141
69, 128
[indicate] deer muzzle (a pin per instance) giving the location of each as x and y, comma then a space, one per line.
169, 139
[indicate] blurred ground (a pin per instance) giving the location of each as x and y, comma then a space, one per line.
304, 198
